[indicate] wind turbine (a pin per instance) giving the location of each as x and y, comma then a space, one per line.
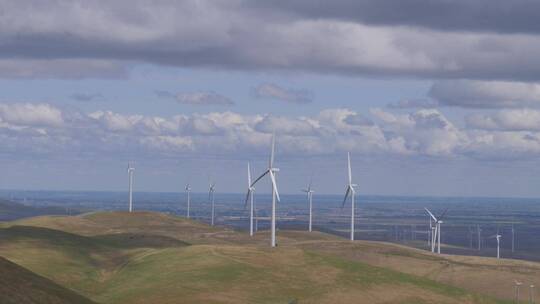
531, 293
471, 233
130, 171
513, 238
437, 235
350, 191
188, 192
211, 198
309, 193
249, 197
516, 289
479, 231
498, 237
271, 171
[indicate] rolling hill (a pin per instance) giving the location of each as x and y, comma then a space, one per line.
21, 286
145, 257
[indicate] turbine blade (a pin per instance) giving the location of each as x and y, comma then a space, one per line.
431, 214
271, 164
247, 198
273, 178
249, 176
349, 166
259, 178
346, 196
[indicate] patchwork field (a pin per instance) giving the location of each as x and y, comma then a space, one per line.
146, 257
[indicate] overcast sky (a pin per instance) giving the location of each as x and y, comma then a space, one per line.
430, 97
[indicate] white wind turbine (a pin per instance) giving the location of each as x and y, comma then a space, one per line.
211, 191
350, 191
188, 192
309, 193
130, 171
498, 238
249, 197
436, 238
271, 171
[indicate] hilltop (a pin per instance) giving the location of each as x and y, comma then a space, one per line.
146, 257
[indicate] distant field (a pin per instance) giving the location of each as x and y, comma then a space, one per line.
146, 257
397, 219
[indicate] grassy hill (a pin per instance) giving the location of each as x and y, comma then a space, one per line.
21, 286
144, 257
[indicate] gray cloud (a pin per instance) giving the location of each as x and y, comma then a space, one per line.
195, 98
246, 36
459, 15
202, 98
275, 92
86, 97
164, 94
414, 104
506, 120
486, 94
60, 68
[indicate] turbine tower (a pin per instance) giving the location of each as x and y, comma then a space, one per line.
516, 290
271, 171
130, 171
479, 232
350, 192
249, 197
188, 192
430, 232
513, 238
436, 239
498, 238
211, 199
309, 193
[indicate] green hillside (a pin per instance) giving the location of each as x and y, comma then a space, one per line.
21, 286
155, 258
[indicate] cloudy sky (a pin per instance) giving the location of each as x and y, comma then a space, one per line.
430, 97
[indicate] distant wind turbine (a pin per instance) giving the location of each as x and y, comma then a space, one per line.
437, 235
211, 191
531, 293
516, 290
130, 171
498, 238
350, 192
479, 231
513, 238
309, 193
271, 171
188, 192
249, 197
